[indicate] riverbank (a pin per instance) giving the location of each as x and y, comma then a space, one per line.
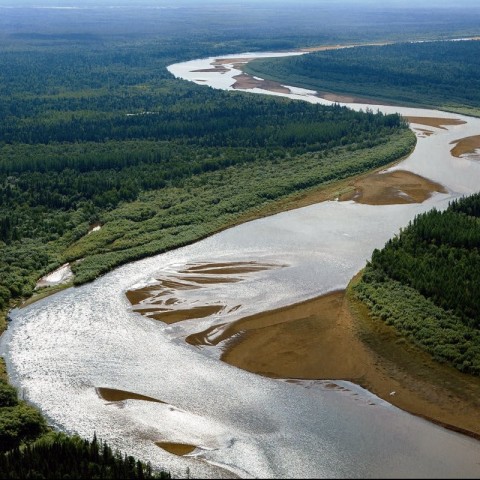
333, 338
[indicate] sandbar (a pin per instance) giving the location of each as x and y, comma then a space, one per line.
244, 81
390, 188
434, 121
465, 146
331, 338
114, 395
176, 448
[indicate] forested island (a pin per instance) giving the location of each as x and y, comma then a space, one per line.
442, 75
95, 131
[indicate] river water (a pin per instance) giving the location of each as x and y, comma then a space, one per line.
61, 349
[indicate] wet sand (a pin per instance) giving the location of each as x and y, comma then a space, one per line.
423, 132
465, 146
114, 395
344, 98
434, 122
390, 188
172, 299
176, 448
244, 81
332, 338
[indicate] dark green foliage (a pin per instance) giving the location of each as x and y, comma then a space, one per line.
19, 422
87, 132
8, 395
426, 282
441, 74
60, 457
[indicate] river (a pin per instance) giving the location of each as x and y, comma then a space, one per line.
62, 349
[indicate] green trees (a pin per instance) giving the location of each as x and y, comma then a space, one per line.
426, 282
19, 423
104, 126
441, 74
57, 456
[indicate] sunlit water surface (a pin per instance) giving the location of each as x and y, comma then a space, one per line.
60, 349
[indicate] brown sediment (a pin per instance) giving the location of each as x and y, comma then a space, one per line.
338, 46
163, 301
424, 132
245, 81
434, 121
114, 395
174, 316
465, 146
234, 61
233, 268
330, 337
390, 188
137, 296
176, 448
172, 284
216, 69
344, 98
210, 279
240, 330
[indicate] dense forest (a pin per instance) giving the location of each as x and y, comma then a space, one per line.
426, 283
75, 149
444, 75
95, 131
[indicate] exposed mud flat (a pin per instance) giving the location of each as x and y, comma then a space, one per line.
390, 188
172, 299
434, 121
322, 339
176, 448
245, 82
467, 146
114, 395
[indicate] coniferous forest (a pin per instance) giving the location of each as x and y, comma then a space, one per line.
425, 282
95, 131
440, 74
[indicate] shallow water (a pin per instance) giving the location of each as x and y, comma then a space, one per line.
60, 349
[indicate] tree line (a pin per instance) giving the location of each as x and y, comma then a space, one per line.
426, 282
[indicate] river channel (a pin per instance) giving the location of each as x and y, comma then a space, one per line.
91, 363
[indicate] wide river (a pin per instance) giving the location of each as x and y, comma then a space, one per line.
60, 350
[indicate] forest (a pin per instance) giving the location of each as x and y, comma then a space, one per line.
95, 131
425, 282
440, 74
76, 152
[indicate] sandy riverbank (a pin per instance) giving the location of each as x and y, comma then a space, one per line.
330, 337
466, 146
